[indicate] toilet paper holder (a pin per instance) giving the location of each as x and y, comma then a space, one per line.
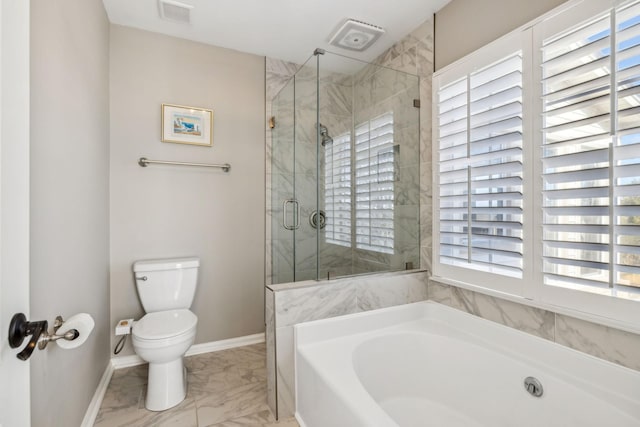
20, 328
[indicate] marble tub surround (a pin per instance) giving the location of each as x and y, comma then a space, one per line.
527, 319
270, 336
300, 302
312, 300
226, 388
607, 343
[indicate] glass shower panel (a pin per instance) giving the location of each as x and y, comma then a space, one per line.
282, 185
335, 165
371, 109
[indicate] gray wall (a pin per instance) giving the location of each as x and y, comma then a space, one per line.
463, 26
169, 211
69, 199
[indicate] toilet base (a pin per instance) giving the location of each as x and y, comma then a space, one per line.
167, 385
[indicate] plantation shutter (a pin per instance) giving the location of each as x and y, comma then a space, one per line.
453, 173
626, 154
375, 175
591, 154
480, 169
337, 191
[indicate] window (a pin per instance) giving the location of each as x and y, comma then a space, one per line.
375, 176
337, 190
537, 190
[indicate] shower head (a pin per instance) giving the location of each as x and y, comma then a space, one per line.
324, 133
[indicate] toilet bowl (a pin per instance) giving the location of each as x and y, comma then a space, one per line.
162, 338
163, 335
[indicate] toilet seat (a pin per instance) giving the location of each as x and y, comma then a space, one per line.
165, 324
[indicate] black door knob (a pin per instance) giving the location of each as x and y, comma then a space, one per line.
20, 328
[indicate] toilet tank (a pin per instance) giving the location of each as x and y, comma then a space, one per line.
166, 284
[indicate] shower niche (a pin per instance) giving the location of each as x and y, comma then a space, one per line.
345, 178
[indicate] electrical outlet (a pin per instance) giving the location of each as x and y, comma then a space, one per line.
124, 327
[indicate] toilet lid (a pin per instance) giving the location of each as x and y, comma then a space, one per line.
164, 324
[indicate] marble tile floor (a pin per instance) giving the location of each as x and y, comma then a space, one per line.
226, 389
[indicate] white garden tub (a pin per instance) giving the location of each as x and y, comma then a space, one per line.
426, 364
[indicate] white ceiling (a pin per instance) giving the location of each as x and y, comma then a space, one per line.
282, 29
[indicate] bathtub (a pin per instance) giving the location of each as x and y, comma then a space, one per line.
426, 364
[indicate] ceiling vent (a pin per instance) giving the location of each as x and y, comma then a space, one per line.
356, 35
175, 11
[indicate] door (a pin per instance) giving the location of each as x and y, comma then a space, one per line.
294, 177
14, 204
305, 170
282, 204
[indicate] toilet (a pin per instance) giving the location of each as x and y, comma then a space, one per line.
166, 288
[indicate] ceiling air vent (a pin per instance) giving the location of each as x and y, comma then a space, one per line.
356, 35
175, 11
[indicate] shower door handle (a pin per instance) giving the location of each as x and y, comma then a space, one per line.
296, 215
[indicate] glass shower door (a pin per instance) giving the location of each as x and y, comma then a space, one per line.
305, 170
282, 206
294, 178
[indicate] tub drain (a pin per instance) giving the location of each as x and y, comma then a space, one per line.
533, 386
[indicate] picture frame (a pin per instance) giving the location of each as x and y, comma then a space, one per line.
187, 125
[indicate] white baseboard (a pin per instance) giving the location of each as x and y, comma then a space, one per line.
299, 420
207, 347
94, 406
126, 361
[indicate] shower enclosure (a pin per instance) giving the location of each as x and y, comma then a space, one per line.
344, 171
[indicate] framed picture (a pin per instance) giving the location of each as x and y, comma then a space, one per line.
187, 125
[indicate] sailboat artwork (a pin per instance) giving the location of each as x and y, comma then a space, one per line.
187, 125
